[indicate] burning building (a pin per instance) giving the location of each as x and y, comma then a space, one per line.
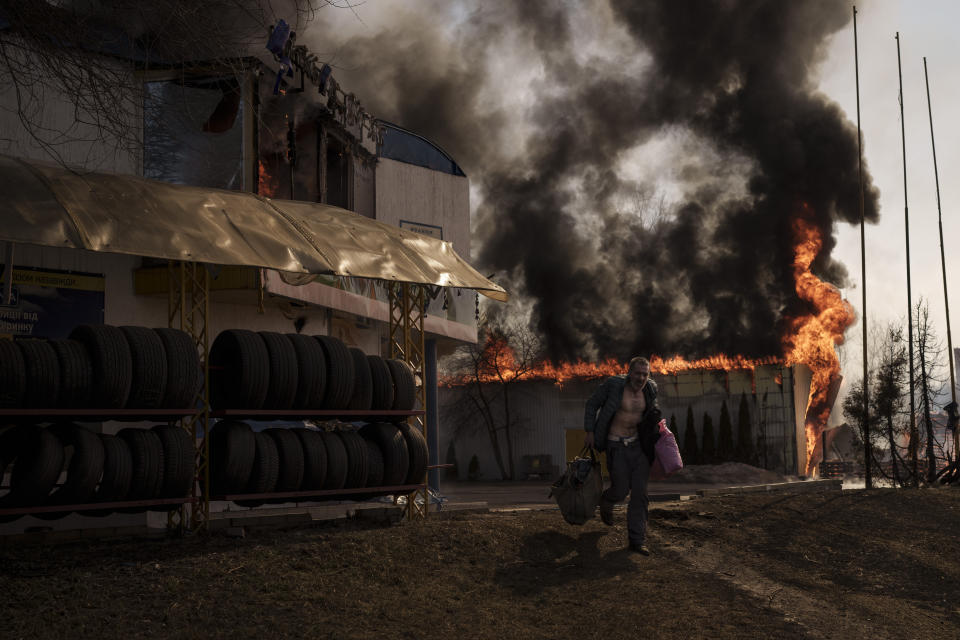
547, 414
723, 100
306, 137
231, 139
790, 397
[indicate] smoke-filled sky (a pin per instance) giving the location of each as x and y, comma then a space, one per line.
635, 166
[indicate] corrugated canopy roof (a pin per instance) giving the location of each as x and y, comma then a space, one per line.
55, 207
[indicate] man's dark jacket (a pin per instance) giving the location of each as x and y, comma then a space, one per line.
604, 404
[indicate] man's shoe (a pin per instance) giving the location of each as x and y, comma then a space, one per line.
642, 549
606, 512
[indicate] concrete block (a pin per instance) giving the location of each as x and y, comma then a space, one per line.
665, 497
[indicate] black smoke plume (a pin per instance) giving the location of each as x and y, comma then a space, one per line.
710, 272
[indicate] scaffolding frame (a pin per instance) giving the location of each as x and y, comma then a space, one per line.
408, 308
188, 309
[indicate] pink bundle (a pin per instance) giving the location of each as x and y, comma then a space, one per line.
667, 460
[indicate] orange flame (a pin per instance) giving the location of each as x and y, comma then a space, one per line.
812, 338
266, 184
809, 339
498, 364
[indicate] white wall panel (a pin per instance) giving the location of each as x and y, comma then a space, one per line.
417, 194
546, 410
75, 144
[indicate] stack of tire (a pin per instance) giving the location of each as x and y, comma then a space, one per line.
134, 465
267, 370
101, 367
280, 460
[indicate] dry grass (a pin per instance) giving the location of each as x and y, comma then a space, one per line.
878, 564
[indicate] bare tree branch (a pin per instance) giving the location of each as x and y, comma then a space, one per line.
481, 377
88, 54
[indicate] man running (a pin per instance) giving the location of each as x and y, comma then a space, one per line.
622, 419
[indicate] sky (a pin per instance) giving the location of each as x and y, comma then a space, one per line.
926, 29
924, 32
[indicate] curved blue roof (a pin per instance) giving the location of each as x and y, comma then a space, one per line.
406, 146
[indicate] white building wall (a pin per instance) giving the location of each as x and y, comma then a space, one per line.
540, 430
417, 195
432, 202
74, 143
123, 307
776, 399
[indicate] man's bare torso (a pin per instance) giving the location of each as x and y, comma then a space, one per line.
627, 418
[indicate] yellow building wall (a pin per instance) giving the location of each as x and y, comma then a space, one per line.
574, 443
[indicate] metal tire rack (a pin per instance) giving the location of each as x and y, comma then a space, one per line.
189, 311
37, 416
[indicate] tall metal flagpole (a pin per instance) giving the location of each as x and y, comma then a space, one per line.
867, 453
943, 260
906, 220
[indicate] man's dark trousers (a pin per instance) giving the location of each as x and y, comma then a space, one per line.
629, 471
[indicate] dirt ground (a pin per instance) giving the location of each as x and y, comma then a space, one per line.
728, 473
856, 564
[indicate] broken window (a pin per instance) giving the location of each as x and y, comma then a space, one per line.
193, 132
337, 173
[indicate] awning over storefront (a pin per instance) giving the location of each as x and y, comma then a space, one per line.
55, 207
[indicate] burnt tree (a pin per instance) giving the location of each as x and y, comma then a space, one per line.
94, 57
890, 419
930, 384
483, 376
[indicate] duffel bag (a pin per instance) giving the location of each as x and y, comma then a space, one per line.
578, 490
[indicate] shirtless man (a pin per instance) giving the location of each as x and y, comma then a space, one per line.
621, 418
